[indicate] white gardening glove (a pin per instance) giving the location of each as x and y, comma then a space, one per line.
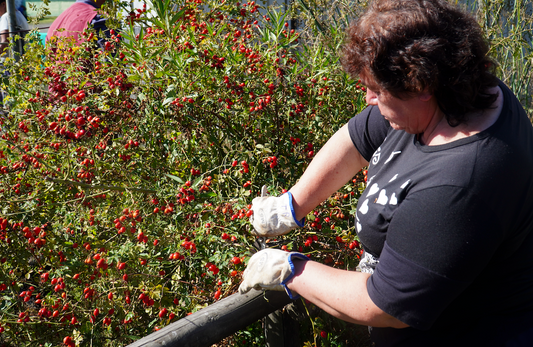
273, 215
270, 269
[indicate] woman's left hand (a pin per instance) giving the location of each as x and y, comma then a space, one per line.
270, 269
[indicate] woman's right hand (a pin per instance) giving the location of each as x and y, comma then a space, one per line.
273, 215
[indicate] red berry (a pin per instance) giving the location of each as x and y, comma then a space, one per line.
353, 244
236, 260
163, 312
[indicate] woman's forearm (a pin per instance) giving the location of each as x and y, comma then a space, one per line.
3, 41
341, 293
334, 165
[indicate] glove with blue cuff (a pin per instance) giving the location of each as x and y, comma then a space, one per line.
273, 215
270, 269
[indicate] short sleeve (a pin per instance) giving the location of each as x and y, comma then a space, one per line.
3, 23
99, 25
22, 22
439, 240
408, 291
368, 130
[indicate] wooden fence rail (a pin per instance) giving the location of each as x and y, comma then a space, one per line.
217, 321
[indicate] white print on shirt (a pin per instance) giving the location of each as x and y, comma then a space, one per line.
376, 156
373, 189
382, 199
380, 188
364, 208
392, 155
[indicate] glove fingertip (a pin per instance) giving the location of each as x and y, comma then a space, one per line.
243, 289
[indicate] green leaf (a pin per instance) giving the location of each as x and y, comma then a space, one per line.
168, 101
175, 178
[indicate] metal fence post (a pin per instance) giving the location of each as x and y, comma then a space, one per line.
12, 16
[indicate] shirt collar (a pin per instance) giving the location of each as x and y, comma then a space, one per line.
88, 2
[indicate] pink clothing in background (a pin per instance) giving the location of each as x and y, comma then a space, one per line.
74, 20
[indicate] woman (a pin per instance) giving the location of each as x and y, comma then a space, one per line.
446, 220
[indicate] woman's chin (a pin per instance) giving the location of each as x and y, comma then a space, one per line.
395, 126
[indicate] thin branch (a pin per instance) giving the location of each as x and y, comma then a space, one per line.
90, 186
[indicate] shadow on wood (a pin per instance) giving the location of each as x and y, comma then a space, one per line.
217, 321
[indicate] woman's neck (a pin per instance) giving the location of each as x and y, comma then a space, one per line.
477, 121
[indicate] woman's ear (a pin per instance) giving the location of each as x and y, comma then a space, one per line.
425, 95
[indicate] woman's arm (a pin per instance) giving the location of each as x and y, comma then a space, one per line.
332, 167
341, 293
4, 35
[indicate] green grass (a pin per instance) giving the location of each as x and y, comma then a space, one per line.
47, 20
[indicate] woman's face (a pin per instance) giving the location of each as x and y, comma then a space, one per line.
412, 114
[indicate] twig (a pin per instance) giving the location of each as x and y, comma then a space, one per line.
90, 186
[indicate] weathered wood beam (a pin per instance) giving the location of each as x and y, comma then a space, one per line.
217, 321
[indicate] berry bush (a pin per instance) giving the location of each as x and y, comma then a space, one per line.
127, 174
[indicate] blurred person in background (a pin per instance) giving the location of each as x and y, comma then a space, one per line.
21, 26
78, 17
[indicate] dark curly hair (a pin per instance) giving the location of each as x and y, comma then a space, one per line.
409, 46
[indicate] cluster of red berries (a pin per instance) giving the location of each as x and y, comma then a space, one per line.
212, 267
226, 236
309, 241
189, 245
186, 195
146, 299
272, 162
134, 15
69, 342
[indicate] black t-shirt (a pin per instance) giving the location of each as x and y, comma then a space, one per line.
452, 227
